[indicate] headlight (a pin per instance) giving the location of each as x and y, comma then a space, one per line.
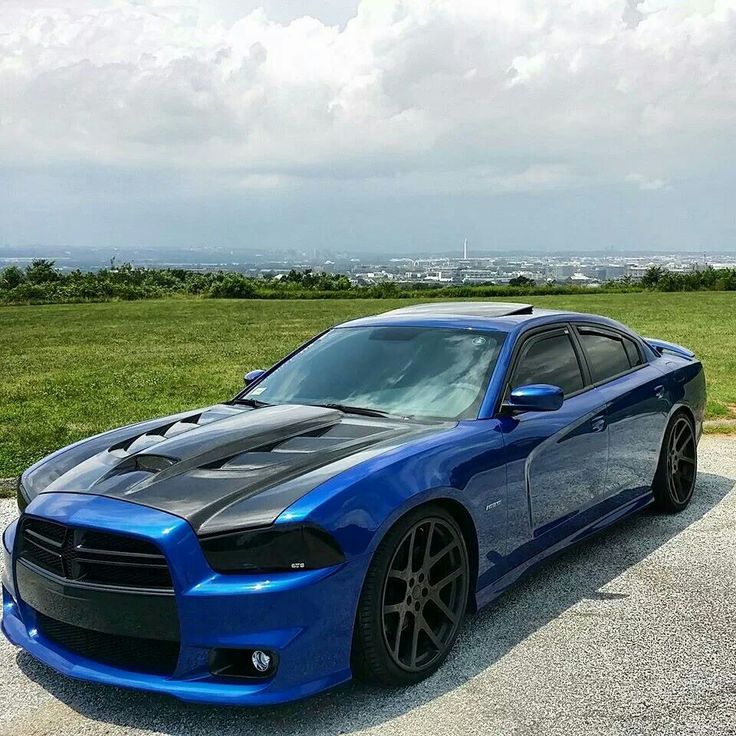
272, 549
21, 496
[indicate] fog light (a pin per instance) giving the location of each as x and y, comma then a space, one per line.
261, 660
250, 664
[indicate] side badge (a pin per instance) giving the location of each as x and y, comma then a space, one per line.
493, 505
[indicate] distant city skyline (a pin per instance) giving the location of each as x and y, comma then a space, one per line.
122, 254
336, 260
582, 269
377, 126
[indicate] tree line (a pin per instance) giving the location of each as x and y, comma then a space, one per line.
41, 283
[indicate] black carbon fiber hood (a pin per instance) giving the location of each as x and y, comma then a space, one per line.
223, 467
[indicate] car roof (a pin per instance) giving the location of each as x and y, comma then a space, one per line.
490, 315
466, 309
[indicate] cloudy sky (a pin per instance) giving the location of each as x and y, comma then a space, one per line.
394, 125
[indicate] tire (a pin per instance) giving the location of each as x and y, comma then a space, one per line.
413, 601
674, 481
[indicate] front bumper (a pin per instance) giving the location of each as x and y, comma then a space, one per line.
305, 618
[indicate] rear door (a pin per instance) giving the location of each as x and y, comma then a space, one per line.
557, 460
637, 407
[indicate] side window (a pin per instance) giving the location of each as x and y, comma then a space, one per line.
551, 360
632, 350
607, 354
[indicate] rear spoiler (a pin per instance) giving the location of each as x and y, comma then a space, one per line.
660, 347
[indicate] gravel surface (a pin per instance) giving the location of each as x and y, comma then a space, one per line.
629, 633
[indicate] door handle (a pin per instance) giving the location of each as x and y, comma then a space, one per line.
659, 392
598, 424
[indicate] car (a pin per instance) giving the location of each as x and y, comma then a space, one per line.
345, 511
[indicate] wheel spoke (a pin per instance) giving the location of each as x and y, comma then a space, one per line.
684, 426
450, 577
444, 551
443, 608
428, 546
410, 558
399, 632
405, 572
414, 643
678, 485
432, 636
399, 575
393, 608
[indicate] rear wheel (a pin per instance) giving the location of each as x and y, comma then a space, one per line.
674, 482
413, 600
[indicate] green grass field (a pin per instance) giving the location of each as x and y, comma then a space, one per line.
73, 370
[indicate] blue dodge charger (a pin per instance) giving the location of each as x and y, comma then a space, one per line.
344, 512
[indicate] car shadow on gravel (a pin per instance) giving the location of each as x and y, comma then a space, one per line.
576, 575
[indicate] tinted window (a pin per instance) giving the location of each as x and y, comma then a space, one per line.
412, 371
549, 360
633, 352
606, 355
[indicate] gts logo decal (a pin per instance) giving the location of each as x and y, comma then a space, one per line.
493, 505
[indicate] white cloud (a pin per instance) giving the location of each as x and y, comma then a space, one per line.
646, 184
421, 95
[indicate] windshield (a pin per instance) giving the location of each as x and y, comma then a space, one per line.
410, 371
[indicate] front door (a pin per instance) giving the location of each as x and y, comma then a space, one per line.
557, 460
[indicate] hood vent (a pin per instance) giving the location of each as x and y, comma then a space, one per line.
133, 469
142, 442
253, 446
296, 450
145, 464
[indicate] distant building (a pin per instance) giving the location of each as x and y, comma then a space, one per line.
478, 276
614, 272
439, 276
636, 271
563, 271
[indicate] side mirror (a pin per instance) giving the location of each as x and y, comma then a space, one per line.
251, 376
535, 397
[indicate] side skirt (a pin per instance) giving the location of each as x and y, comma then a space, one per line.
498, 586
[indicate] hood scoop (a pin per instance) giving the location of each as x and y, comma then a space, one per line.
302, 448
213, 442
133, 470
142, 442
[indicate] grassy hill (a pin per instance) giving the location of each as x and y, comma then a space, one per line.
73, 370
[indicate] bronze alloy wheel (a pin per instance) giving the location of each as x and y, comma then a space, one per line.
677, 471
681, 460
424, 594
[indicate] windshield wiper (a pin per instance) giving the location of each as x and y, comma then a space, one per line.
361, 410
255, 403
365, 411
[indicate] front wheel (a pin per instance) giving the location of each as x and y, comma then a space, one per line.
413, 600
674, 482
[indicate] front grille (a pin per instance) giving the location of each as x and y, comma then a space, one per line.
101, 558
151, 656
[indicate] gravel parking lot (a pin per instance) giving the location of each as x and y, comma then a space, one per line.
630, 633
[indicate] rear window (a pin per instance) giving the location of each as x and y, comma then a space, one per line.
632, 350
607, 355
